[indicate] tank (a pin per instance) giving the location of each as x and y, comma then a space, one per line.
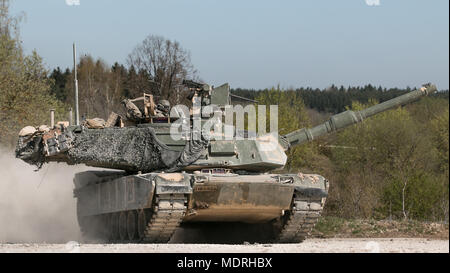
162, 177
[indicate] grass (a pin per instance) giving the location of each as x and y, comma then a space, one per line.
329, 227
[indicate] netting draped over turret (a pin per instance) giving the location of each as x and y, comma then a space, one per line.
132, 149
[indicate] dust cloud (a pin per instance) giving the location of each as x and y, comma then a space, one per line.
37, 207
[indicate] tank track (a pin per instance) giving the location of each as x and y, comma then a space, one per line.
161, 221
299, 221
168, 213
157, 225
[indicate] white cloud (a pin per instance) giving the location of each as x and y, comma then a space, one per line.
373, 2
73, 2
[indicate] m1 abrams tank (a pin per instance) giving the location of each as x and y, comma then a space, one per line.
165, 177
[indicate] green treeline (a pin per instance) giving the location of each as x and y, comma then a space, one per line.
336, 99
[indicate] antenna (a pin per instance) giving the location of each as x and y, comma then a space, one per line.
77, 116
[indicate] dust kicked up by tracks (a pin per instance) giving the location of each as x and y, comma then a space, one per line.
36, 207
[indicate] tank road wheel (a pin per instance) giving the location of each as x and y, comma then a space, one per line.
114, 227
123, 235
107, 219
142, 224
104, 227
132, 225
92, 227
296, 224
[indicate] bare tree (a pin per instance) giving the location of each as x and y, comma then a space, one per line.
166, 63
100, 87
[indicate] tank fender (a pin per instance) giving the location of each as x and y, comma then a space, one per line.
311, 192
173, 183
310, 185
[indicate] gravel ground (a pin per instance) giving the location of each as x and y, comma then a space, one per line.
388, 245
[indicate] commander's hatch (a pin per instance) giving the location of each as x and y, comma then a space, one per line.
220, 96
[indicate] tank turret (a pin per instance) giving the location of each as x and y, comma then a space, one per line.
149, 145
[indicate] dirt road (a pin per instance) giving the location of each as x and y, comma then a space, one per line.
311, 245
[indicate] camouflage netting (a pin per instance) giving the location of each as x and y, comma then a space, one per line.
131, 149
191, 152
31, 150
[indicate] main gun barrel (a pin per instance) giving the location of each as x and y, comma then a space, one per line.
348, 118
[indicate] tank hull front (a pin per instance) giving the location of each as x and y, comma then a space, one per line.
199, 197
248, 199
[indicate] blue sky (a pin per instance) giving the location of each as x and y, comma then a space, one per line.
257, 43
